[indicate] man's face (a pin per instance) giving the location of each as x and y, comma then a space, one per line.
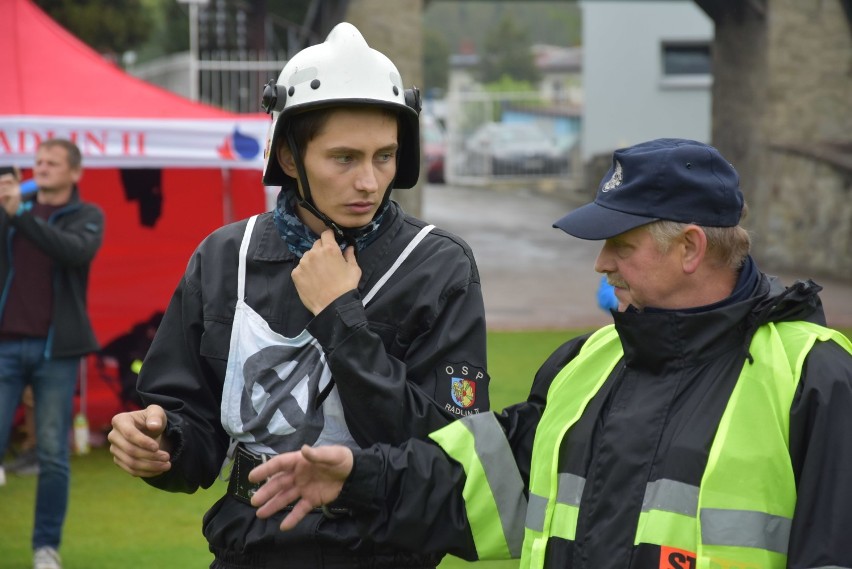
641, 274
349, 164
52, 172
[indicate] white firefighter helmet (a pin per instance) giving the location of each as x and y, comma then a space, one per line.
342, 71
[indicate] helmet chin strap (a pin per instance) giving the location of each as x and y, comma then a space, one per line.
341, 234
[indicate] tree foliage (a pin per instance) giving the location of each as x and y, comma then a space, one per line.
507, 84
108, 26
292, 10
436, 54
507, 52
464, 26
172, 24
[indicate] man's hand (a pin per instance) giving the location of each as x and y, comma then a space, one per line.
10, 193
137, 443
313, 476
325, 273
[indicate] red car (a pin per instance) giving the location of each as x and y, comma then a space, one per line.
434, 149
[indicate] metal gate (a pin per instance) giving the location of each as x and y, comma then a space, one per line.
229, 80
513, 138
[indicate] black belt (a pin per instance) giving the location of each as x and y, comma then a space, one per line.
242, 489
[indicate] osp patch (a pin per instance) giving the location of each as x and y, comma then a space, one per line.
467, 388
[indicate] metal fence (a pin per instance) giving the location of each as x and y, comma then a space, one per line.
235, 80
229, 80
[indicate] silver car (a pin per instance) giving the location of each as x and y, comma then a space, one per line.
514, 149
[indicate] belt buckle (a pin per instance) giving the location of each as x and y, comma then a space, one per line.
239, 485
243, 490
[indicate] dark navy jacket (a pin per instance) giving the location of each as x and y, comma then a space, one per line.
389, 361
71, 238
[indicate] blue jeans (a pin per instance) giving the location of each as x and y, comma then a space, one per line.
54, 382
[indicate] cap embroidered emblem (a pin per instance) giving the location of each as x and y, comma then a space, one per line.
616, 179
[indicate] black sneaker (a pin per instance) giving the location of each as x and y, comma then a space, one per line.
25, 464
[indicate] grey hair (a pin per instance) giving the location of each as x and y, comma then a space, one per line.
727, 245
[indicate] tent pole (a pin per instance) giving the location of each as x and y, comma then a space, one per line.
227, 197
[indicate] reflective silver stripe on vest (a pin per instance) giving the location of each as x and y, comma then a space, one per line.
501, 470
570, 489
671, 496
745, 529
535, 512
737, 528
569, 492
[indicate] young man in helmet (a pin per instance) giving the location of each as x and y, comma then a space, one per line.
335, 319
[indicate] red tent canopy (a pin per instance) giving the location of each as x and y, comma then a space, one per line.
56, 85
54, 74
165, 170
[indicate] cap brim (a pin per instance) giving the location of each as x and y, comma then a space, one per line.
595, 222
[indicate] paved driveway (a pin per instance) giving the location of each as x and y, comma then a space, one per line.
535, 277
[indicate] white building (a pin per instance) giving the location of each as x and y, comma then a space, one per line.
646, 72
561, 73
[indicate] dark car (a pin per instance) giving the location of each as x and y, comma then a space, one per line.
516, 148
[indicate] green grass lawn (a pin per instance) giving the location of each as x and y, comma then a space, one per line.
116, 521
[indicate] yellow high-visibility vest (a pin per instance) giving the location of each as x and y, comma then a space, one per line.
738, 518
740, 515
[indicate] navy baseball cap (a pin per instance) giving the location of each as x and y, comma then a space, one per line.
669, 178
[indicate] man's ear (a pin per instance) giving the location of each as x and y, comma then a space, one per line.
694, 247
286, 161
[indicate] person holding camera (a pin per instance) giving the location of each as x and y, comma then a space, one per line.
49, 239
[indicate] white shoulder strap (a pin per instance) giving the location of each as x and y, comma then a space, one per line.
402, 256
241, 273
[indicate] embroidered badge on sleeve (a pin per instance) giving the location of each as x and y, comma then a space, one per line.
465, 389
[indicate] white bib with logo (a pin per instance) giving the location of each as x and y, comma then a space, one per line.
269, 400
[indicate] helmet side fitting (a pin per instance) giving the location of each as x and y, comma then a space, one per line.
342, 71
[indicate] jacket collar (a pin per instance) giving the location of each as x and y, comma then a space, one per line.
271, 248
650, 339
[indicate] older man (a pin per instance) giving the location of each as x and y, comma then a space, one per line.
706, 428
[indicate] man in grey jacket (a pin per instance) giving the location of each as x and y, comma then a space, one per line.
49, 240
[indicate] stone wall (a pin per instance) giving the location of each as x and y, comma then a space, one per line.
808, 228
782, 82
